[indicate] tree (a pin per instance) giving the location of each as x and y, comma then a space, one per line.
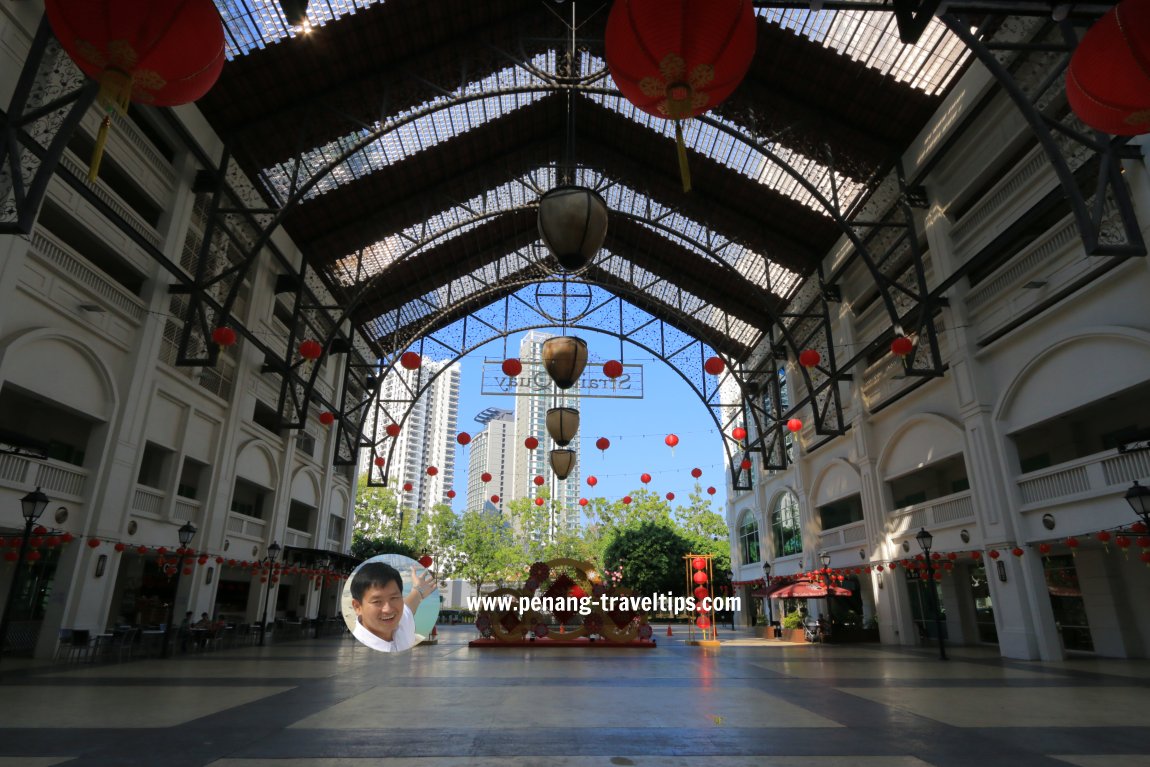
363, 547
707, 531
651, 556
376, 512
486, 548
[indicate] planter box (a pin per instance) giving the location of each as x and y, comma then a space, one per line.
794, 635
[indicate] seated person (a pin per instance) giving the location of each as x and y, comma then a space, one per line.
385, 619
204, 622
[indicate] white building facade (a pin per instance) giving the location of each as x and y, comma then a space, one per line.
492, 453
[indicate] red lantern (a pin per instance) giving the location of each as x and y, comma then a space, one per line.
32, 556
645, 478
495, 499
739, 433
530, 443
407, 487
538, 501
670, 496
1072, 542
410, 361
1103, 536
141, 550
592, 480
626, 500
699, 563
582, 501
512, 367
612, 368
1017, 551
425, 560
745, 464
463, 438
671, 440
699, 577
119, 547
432, 471
450, 493
701, 593
703, 622
310, 350
713, 365
1108, 80
696, 472
710, 491
901, 346
326, 418
1138, 528
67, 538
93, 543
485, 476
157, 52
794, 425
539, 480
1044, 548
993, 554
602, 443
678, 60
203, 559
1122, 542
1145, 557
1143, 541
54, 541
379, 460
223, 336
808, 358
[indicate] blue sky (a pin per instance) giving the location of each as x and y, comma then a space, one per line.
636, 427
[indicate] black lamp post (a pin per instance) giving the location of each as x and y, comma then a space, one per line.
273, 555
767, 589
31, 506
731, 580
825, 558
925, 539
185, 534
1138, 496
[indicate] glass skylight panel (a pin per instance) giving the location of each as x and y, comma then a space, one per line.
411, 136
871, 38
254, 24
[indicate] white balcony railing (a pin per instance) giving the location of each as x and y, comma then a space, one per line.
845, 535
189, 510
61, 481
1092, 475
246, 527
148, 500
297, 538
942, 512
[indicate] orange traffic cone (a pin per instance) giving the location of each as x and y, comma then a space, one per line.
434, 632
669, 630
562, 630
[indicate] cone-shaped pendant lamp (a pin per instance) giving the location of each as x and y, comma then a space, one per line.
562, 424
564, 358
562, 462
572, 224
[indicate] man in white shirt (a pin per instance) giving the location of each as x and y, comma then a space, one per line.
385, 619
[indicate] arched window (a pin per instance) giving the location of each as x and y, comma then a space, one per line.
788, 535
749, 539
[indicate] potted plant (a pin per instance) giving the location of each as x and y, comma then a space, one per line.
793, 627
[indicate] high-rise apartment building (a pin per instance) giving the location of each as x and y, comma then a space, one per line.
531, 421
492, 452
428, 435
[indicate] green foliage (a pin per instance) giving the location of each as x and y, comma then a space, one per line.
487, 549
793, 620
363, 547
651, 557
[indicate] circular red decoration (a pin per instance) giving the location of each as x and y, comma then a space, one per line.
1072, 542
393, 430
93, 543
592, 480
582, 501
1122, 542
512, 367
1103, 536
485, 476
54, 541
310, 350
326, 418
450, 493
993, 554
714, 365
379, 461
699, 577
696, 472
739, 433
432, 471
495, 499
808, 358
626, 499
410, 361
1044, 548
539, 480
645, 478
901, 346
1017, 551
602, 443
1108, 80
425, 560
670, 496
530, 443
612, 368
203, 559
407, 487
141, 550
794, 425
157, 52
119, 547
745, 464
701, 593
699, 563
703, 622
67, 538
710, 491
538, 501
671, 440
224, 336
1143, 541
463, 438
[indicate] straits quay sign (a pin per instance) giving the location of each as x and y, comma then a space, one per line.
534, 381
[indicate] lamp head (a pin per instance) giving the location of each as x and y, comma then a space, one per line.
33, 505
825, 558
186, 533
1138, 496
924, 540
274, 551
766, 568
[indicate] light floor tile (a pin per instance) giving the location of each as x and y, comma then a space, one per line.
1107, 760
114, 706
542, 705
588, 761
33, 761
900, 669
1017, 706
210, 669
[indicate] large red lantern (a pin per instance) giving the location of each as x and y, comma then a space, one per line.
645, 478
531, 443
794, 425
326, 418
1108, 80
710, 491
223, 336
696, 472
407, 486
538, 501
158, 52
901, 346
603, 443
310, 349
410, 361
592, 480
679, 59
808, 358
612, 368
392, 430
714, 365
512, 367
432, 471
739, 433
485, 476
463, 438
671, 441
425, 560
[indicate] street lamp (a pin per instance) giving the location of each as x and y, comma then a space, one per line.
31, 506
273, 555
924, 540
185, 534
767, 589
1138, 496
731, 580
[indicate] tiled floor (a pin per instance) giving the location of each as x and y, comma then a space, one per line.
333, 703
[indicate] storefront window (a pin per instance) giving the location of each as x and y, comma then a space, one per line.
785, 526
749, 540
1067, 603
983, 609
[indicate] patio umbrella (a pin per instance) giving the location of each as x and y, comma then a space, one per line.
807, 590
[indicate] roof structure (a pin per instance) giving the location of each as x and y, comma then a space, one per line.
409, 141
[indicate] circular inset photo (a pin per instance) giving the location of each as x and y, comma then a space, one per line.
390, 603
